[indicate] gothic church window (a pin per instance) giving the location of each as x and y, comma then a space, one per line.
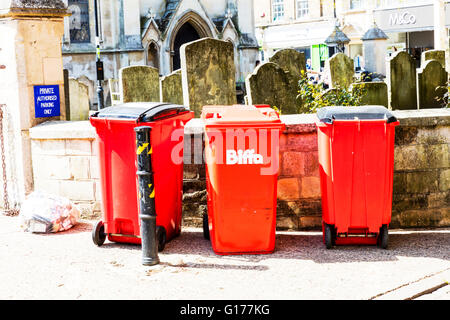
79, 21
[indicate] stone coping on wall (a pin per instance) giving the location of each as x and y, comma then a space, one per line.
424, 117
304, 123
298, 123
63, 130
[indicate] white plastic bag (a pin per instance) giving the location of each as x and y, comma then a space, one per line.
45, 213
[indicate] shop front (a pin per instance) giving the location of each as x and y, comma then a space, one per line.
305, 37
409, 29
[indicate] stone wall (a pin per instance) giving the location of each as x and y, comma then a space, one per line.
65, 163
64, 160
421, 195
422, 170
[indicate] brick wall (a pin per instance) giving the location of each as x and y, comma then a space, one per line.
421, 195
299, 200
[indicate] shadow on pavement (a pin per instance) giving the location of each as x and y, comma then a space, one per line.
304, 246
309, 246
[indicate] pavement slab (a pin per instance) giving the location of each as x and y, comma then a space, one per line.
68, 265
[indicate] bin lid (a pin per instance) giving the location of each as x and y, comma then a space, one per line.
239, 115
329, 114
140, 111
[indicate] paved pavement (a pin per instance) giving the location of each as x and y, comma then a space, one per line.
69, 266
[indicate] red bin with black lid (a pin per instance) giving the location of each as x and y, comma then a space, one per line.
356, 164
115, 143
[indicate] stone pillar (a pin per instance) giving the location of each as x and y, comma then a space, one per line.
31, 33
374, 48
441, 40
440, 31
248, 45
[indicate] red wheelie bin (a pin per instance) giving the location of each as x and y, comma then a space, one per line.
117, 162
356, 164
242, 160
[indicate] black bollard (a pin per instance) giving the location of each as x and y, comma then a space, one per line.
147, 212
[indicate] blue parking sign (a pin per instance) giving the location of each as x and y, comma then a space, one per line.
47, 101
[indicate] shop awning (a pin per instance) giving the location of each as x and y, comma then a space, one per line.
297, 35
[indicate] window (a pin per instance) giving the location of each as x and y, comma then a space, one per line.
400, 3
79, 21
302, 8
356, 4
278, 10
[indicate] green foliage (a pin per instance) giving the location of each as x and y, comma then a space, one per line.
445, 98
276, 109
314, 96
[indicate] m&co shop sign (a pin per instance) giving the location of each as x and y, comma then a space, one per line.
409, 19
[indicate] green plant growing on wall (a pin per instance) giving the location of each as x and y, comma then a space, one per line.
444, 100
314, 96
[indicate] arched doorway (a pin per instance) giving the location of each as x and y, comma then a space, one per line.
190, 27
153, 55
185, 34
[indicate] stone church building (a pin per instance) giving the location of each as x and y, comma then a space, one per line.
151, 32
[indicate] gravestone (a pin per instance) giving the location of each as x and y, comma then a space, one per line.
79, 100
172, 88
373, 93
139, 84
438, 55
341, 70
208, 73
401, 78
431, 85
269, 84
290, 60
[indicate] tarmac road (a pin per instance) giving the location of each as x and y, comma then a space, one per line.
69, 266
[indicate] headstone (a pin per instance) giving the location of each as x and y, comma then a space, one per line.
79, 100
290, 60
269, 84
208, 73
431, 85
172, 88
401, 79
438, 55
341, 70
373, 93
139, 84
114, 91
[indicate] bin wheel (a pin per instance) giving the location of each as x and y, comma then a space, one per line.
333, 235
383, 237
98, 233
205, 227
328, 236
161, 238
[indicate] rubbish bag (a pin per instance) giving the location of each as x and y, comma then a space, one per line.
46, 213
